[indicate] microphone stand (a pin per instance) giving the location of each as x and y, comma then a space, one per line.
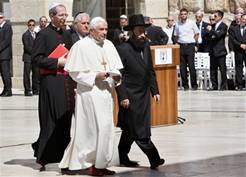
181, 120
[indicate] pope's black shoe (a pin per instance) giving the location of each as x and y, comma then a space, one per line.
129, 163
154, 165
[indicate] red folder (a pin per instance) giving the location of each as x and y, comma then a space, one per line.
59, 51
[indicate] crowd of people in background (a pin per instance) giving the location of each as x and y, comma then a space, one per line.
80, 78
208, 38
197, 35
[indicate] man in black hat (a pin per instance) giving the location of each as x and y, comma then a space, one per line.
138, 81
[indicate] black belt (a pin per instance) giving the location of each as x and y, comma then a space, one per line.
186, 44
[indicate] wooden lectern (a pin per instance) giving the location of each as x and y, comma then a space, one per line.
165, 58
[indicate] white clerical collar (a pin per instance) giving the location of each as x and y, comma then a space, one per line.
96, 41
2, 24
57, 28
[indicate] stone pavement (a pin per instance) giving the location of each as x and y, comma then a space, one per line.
211, 143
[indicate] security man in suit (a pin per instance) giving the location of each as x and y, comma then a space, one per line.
238, 38
218, 52
28, 39
5, 55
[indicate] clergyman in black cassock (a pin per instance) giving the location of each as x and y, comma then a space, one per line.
55, 99
138, 81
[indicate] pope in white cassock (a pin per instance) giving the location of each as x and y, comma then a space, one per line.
94, 64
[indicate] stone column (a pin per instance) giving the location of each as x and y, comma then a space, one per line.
22, 11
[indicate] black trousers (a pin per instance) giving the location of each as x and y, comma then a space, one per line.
240, 58
215, 63
6, 75
187, 54
146, 145
28, 67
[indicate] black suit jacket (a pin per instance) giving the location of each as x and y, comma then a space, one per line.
217, 40
6, 42
237, 39
138, 81
230, 31
27, 41
156, 35
203, 47
46, 41
74, 34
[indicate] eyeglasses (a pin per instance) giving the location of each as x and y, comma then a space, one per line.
170, 20
183, 14
62, 15
31, 24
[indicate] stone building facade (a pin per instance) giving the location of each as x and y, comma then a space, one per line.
19, 11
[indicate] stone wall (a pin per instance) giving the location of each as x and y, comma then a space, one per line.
208, 6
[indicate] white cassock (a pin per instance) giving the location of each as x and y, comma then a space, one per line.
94, 141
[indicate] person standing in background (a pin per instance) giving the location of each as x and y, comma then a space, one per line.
169, 29
218, 52
186, 34
6, 33
80, 28
42, 24
28, 39
155, 34
202, 45
56, 98
238, 38
120, 35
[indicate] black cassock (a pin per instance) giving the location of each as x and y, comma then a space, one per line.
55, 99
138, 81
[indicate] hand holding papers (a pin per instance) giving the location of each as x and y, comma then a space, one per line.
59, 53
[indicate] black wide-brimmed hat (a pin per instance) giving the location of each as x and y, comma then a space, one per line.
135, 20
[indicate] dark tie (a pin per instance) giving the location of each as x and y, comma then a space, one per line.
198, 25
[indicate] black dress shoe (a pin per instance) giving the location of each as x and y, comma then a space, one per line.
6, 93
240, 88
154, 165
212, 89
194, 88
35, 92
129, 163
186, 88
28, 93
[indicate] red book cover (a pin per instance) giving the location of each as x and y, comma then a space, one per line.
59, 51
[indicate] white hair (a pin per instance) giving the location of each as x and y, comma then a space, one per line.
79, 17
95, 22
